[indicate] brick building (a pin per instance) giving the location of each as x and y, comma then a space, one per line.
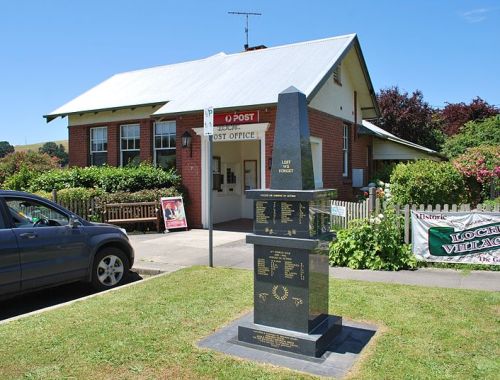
144, 115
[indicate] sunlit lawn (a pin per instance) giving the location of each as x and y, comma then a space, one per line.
150, 331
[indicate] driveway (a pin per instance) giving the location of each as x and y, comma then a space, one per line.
174, 250
168, 252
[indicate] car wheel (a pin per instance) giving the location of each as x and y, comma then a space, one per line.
111, 268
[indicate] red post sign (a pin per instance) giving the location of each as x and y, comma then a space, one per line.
247, 117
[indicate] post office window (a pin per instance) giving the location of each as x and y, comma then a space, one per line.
27, 213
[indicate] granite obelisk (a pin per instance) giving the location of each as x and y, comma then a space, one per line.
291, 230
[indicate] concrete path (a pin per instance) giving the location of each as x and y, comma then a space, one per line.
168, 252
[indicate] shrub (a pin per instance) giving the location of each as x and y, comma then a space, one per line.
375, 243
106, 178
481, 167
472, 134
31, 161
428, 182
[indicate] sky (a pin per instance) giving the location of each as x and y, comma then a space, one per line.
54, 50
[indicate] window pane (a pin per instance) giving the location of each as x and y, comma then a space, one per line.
26, 213
164, 141
124, 144
165, 158
130, 158
158, 142
98, 159
137, 144
172, 141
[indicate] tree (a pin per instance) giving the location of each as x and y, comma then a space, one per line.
5, 148
409, 117
32, 161
454, 115
473, 134
54, 150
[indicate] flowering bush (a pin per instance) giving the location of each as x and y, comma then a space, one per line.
480, 164
374, 243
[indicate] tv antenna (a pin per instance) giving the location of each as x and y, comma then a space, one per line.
246, 28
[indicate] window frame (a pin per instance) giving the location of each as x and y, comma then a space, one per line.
128, 138
102, 141
346, 149
155, 149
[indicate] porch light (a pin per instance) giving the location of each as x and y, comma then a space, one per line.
186, 142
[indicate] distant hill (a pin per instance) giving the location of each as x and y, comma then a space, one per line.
34, 147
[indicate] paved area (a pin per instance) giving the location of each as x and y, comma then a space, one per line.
174, 250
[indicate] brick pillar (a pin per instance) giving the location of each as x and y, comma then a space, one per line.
146, 140
113, 144
79, 145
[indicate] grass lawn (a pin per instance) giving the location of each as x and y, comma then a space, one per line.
149, 331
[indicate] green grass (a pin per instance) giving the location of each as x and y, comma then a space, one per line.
34, 147
149, 331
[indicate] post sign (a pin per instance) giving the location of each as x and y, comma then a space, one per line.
235, 118
208, 121
338, 211
456, 237
173, 213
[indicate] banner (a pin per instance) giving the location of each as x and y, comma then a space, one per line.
173, 213
456, 237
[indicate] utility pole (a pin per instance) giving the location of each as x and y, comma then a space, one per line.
246, 28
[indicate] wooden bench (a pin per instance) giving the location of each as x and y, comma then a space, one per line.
140, 212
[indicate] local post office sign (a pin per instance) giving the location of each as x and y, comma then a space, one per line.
248, 117
456, 237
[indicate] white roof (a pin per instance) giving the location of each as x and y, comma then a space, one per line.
383, 134
222, 80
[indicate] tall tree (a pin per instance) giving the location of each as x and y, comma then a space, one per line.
454, 115
5, 148
54, 150
409, 117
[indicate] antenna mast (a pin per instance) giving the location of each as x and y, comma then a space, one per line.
246, 28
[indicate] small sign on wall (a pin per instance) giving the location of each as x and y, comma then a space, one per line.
338, 211
173, 213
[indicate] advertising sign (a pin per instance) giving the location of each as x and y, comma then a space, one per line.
208, 121
173, 213
456, 237
248, 117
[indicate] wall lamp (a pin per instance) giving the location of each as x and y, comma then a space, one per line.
186, 142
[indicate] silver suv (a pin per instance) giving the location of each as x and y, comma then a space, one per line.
42, 244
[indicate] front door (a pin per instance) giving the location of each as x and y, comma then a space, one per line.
10, 268
50, 250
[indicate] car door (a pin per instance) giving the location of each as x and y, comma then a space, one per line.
50, 250
10, 267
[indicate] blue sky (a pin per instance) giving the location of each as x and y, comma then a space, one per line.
53, 50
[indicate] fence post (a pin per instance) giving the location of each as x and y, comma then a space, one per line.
54, 195
372, 196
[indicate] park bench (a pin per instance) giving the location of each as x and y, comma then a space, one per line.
140, 212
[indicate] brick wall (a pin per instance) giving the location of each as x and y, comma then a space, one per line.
78, 145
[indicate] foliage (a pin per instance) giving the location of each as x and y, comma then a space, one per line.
106, 178
492, 202
375, 243
54, 150
454, 115
409, 117
31, 161
384, 173
428, 182
481, 166
5, 148
473, 134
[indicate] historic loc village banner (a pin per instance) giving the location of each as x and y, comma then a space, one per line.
456, 237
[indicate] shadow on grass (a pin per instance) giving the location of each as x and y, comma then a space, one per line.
30, 302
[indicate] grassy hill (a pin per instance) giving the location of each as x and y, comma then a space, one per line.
34, 147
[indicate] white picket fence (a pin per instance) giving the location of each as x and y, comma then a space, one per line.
360, 210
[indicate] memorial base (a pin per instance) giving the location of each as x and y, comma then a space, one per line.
313, 344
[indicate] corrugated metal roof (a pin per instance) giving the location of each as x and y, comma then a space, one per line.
222, 81
383, 134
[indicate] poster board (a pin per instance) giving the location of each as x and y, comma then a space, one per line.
173, 213
456, 237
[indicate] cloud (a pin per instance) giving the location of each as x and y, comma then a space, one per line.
476, 15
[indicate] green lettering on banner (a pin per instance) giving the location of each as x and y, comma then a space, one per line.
445, 241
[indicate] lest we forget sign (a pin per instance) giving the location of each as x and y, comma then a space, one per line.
456, 237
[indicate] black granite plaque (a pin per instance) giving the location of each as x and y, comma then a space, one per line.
282, 218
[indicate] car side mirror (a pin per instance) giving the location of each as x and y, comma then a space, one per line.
74, 222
